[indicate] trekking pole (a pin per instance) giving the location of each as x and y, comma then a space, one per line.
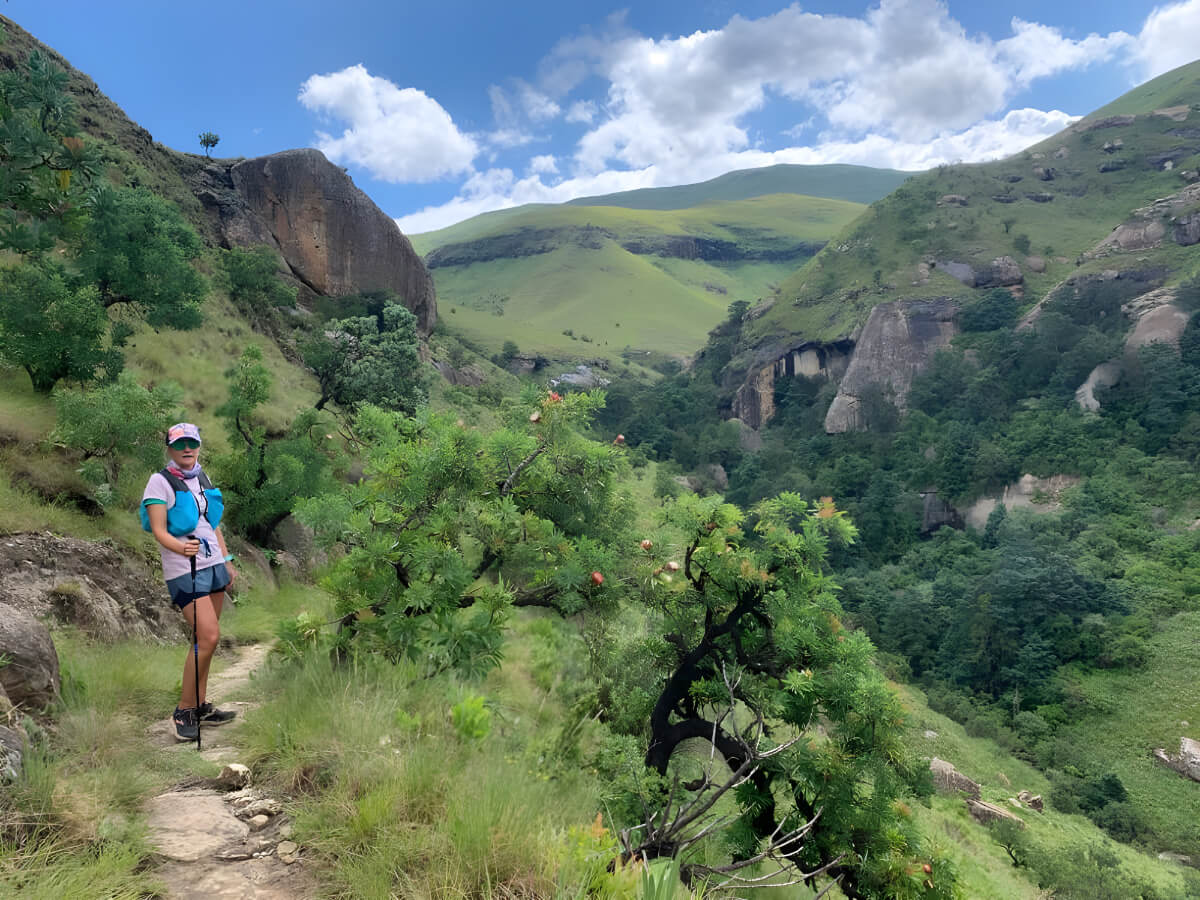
195, 642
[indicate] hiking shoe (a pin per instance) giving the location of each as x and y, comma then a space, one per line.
186, 726
210, 715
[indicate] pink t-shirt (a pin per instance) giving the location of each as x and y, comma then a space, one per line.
176, 564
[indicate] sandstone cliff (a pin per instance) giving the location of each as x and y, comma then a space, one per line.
333, 238
897, 342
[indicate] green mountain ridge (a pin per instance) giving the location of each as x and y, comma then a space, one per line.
1048, 208
617, 278
859, 184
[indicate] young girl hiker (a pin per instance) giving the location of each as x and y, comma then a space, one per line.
182, 509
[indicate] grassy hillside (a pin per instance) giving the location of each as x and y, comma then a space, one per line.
860, 184
1044, 207
618, 277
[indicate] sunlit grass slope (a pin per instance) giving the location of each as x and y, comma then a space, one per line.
1055, 201
604, 272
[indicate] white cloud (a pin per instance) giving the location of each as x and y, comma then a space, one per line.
1170, 37
582, 111
499, 189
396, 134
902, 86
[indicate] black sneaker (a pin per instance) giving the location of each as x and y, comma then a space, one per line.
186, 728
210, 715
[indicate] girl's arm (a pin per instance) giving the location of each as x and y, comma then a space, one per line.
158, 527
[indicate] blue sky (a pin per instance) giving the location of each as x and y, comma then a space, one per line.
441, 110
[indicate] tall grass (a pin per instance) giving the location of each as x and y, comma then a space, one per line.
394, 801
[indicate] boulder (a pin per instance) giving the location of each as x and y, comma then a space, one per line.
333, 238
987, 813
12, 752
294, 538
897, 342
1185, 230
470, 375
1136, 235
1164, 324
1036, 264
717, 475
30, 677
949, 780
89, 584
1033, 801
1186, 762
952, 200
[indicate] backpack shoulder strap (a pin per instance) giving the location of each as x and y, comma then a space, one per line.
205, 484
175, 482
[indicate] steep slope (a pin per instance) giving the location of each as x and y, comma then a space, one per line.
572, 282
331, 237
1111, 194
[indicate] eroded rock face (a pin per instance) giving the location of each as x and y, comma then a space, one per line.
334, 239
897, 342
1186, 762
87, 584
1164, 324
754, 402
1104, 375
1040, 495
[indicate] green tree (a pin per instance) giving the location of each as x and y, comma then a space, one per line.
51, 329
754, 660
138, 251
369, 359
267, 473
117, 421
45, 167
453, 529
252, 277
208, 140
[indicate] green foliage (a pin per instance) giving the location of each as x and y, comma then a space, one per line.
471, 718
138, 250
754, 625
451, 529
208, 140
53, 330
254, 285
369, 359
45, 168
267, 473
117, 421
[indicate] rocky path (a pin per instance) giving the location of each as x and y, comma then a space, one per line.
222, 838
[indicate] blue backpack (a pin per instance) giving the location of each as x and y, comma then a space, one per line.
184, 516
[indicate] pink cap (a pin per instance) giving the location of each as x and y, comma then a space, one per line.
182, 430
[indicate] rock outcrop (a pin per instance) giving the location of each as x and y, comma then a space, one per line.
334, 239
754, 402
986, 813
1186, 762
1003, 271
1036, 494
87, 584
897, 342
949, 780
1104, 375
1033, 801
1175, 217
1163, 324
30, 675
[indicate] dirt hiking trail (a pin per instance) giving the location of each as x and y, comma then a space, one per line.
222, 838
